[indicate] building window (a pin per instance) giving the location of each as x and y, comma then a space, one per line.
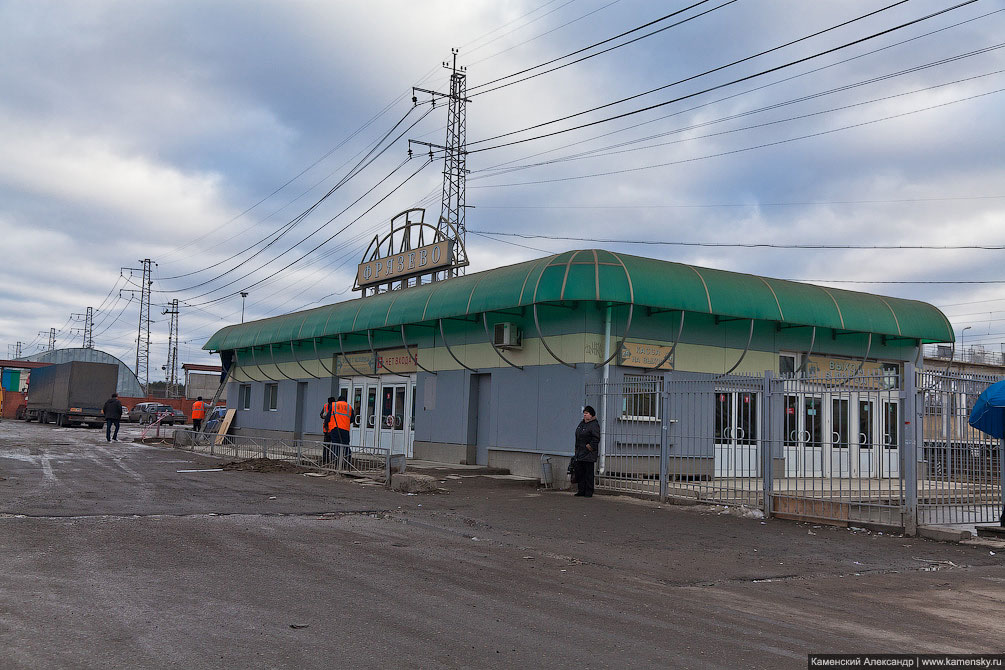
641, 398
271, 397
244, 397
787, 365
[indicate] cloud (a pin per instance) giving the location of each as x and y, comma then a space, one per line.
151, 130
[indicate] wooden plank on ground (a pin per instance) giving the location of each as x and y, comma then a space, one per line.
803, 509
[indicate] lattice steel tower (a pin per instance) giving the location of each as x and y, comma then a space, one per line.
143, 330
89, 329
171, 369
455, 156
451, 223
52, 339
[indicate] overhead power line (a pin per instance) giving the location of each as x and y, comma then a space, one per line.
361, 165
812, 281
748, 91
547, 32
610, 39
709, 89
331, 151
745, 149
795, 203
619, 148
744, 245
319, 245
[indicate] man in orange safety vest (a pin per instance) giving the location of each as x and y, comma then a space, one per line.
198, 414
337, 418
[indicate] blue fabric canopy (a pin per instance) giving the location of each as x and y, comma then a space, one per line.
988, 414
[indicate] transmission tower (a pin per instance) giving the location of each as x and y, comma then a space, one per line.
89, 329
171, 369
455, 154
51, 334
143, 329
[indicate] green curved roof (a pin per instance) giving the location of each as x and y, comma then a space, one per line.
604, 276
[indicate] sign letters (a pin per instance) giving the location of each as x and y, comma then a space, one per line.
405, 264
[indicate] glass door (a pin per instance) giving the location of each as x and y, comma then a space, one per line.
840, 443
866, 461
369, 418
356, 400
890, 462
736, 436
724, 439
804, 426
392, 417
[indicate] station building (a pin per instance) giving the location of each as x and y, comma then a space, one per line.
494, 367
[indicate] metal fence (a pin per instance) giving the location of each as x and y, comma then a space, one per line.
842, 446
960, 467
374, 462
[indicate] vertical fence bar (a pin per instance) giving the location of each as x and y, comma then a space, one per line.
913, 415
767, 432
664, 443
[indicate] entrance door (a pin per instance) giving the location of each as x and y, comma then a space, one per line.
890, 463
804, 431
356, 399
736, 436
867, 465
840, 433
392, 417
369, 418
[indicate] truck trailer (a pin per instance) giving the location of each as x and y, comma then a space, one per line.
69, 393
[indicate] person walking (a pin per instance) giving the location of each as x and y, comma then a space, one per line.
343, 420
112, 411
328, 426
587, 448
198, 414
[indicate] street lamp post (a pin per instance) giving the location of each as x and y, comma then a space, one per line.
963, 334
244, 294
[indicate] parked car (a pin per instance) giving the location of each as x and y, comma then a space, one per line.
149, 412
212, 424
125, 415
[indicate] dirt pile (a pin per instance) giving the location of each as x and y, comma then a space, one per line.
264, 465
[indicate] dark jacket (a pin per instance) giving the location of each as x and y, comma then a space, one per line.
112, 409
588, 434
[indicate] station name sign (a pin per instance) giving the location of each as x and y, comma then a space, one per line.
639, 355
388, 362
405, 264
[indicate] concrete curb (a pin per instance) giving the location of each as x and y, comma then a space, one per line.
944, 534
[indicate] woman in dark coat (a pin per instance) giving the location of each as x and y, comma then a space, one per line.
587, 448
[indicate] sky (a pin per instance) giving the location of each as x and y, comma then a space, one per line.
205, 137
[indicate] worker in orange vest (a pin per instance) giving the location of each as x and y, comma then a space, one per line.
336, 419
343, 420
198, 414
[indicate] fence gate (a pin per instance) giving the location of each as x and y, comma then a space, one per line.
960, 468
863, 448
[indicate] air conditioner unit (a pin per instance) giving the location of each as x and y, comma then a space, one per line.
507, 336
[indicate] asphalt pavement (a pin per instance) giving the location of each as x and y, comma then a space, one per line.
120, 554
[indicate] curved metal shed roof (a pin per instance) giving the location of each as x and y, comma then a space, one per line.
128, 385
604, 276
